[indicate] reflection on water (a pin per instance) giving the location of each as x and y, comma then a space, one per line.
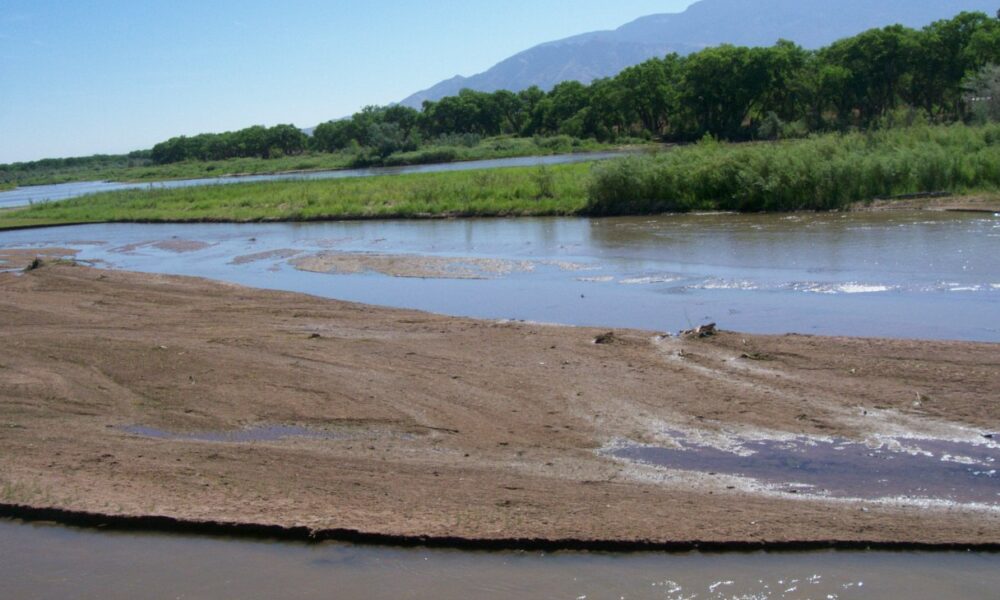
63, 191
53, 562
889, 274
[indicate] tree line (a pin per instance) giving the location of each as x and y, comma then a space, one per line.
728, 92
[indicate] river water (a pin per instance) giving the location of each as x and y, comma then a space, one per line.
44, 562
63, 191
910, 275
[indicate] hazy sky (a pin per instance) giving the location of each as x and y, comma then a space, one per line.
108, 76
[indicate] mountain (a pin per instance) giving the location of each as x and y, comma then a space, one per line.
810, 23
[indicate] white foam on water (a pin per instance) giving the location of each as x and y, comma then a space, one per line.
646, 280
725, 284
851, 287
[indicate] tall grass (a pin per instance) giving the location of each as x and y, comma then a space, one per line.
818, 173
524, 191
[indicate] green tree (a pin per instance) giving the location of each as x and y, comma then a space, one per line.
721, 86
877, 64
649, 92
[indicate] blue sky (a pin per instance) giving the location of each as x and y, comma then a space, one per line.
79, 77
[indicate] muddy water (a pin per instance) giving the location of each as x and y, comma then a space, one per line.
912, 275
43, 562
45, 193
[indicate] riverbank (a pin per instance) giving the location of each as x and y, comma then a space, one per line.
123, 169
515, 192
131, 396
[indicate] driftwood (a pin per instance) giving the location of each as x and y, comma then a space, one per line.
606, 338
917, 196
701, 331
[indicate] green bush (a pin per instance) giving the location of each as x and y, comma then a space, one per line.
421, 157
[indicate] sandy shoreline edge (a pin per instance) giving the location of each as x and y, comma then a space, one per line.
264, 532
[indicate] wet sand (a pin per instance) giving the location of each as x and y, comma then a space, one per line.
19, 258
984, 203
397, 265
430, 426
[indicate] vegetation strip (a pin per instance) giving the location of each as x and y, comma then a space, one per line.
528, 191
138, 167
163, 524
827, 172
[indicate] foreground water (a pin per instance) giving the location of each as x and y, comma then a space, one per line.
911, 275
63, 191
54, 562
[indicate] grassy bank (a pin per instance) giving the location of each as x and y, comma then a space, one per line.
524, 191
820, 173
443, 151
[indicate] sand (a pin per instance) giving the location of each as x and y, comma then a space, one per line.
426, 425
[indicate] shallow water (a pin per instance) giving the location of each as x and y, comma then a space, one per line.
897, 468
909, 275
38, 561
62, 191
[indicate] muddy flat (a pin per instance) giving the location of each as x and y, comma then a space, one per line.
409, 266
136, 394
984, 203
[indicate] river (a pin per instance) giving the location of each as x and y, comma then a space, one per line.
43, 561
910, 275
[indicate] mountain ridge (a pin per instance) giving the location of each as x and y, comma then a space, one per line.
592, 55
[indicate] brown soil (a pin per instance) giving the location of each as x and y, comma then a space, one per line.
172, 245
989, 203
451, 427
266, 255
